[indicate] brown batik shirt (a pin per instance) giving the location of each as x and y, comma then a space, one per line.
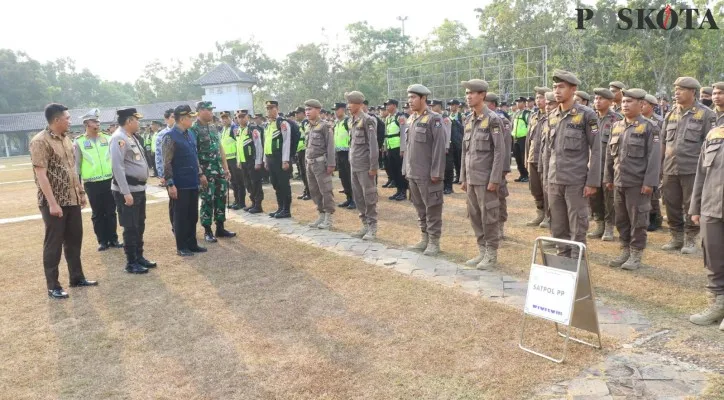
55, 154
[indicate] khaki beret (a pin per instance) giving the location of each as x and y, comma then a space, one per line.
419, 90
687, 82
354, 97
707, 89
491, 96
617, 84
313, 103
541, 90
635, 93
476, 85
718, 85
651, 99
560, 75
550, 97
603, 92
583, 95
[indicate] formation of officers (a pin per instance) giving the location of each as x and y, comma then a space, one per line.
613, 162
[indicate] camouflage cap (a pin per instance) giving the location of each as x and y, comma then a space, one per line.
313, 103
419, 89
93, 114
560, 75
718, 85
617, 84
635, 93
583, 95
354, 97
687, 82
708, 90
603, 92
475, 85
204, 105
541, 89
550, 98
491, 97
651, 99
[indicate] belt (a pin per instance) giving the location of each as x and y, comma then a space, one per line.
131, 181
391, 136
316, 160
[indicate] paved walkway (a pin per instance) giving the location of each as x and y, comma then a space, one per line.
631, 373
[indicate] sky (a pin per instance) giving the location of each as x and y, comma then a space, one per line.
116, 39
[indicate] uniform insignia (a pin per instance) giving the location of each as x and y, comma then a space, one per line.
103, 141
496, 130
594, 126
640, 129
553, 121
437, 123
656, 138
716, 133
485, 123
573, 111
121, 143
469, 126
607, 126
577, 119
699, 114
425, 118
87, 144
618, 129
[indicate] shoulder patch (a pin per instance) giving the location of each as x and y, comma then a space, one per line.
437, 123
716, 133
594, 126
577, 118
121, 143
496, 130
641, 128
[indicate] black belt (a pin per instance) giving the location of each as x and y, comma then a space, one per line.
390, 136
131, 181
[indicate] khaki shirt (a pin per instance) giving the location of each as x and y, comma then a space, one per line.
684, 133
719, 116
484, 149
425, 146
364, 153
657, 119
320, 141
532, 144
572, 155
507, 140
55, 154
633, 154
708, 194
605, 125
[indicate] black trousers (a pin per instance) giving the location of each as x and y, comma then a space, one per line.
302, 166
185, 217
171, 206
64, 234
519, 154
280, 180
252, 181
133, 220
237, 182
151, 160
345, 172
457, 151
103, 208
394, 169
449, 169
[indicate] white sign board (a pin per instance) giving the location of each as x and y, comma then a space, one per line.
550, 293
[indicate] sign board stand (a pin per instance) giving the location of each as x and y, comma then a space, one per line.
560, 290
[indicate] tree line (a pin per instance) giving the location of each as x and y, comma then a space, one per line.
651, 59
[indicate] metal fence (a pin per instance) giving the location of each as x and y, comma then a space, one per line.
510, 73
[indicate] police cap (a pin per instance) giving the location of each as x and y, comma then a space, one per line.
182, 110
550, 98
491, 97
436, 102
337, 106
271, 103
454, 102
392, 101
94, 115
521, 99
129, 112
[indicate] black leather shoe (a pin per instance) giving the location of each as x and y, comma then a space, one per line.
401, 197
344, 204
209, 237
145, 263
256, 210
352, 205
274, 214
116, 244
57, 294
136, 268
524, 179
306, 197
198, 249
103, 247
456, 181
83, 283
301, 196
387, 185
447, 191
233, 206
184, 253
223, 233
283, 214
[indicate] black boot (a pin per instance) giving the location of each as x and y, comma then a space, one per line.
132, 265
208, 235
345, 204
141, 260
285, 212
221, 232
280, 206
256, 208
655, 221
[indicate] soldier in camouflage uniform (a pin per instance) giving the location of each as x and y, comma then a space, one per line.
213, 163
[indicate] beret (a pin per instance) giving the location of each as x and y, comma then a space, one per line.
476, 85
603, 92
651, 99
419, 90
583, 95
635, 93
491, 97
617, 84
707, 89
550, 98
541, 90
354, 97
560, 75
687, 82
718, 85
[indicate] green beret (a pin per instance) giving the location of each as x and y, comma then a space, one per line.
617, 84
635, 93
718, 85
475, 85
560, 75
651, 99
687, 82
354, 97
419, 90
583, 95
550, 97
541, 90
708, 90
603, 92
491, 96
313, 103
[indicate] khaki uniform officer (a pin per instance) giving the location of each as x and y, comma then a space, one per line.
532, 153
424, 167
320, 163
655, 218
632, 171
717, 98
363, 160
551, 105
571, 162
706, 210
685, 128
482, 171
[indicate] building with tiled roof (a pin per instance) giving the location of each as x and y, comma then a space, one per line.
228, 88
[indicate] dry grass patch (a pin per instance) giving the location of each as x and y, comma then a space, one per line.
258, 316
